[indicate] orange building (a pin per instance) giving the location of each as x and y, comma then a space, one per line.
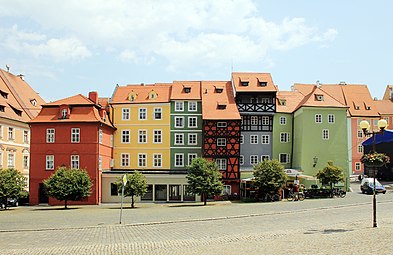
74, 132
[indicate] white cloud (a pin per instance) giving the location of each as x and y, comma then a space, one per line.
184, 33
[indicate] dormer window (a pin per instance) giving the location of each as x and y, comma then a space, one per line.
64, 114
221, 105
4, 94
367, 107
2, 108
282, 102
318, 97
357, 107
262, 83
187, 89
244, 83
152, 94
33, 102
132, 96
218, 89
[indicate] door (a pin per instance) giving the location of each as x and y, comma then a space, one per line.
43, 197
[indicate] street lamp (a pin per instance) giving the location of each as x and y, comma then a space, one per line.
365, 126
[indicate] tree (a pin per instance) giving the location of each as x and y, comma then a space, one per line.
330, 174
269, 176
68, 184
12, 184
204, 178
136, 186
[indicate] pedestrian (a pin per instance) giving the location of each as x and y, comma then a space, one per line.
296, 191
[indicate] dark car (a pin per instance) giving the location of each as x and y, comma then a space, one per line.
367, 186
11, 202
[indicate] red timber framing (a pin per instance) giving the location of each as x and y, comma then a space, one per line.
221, 140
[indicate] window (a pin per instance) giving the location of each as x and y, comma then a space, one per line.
221, 142
64, 114
75, 135
1, 131
387, 119
360, 133
179, 139
179, 122
218, 89
221, 124
284, 137
318, 118
50, 135
157, 113
1, 159
357, 166
221, 163
179, 159
254, 159
157, 136
50, 162
25, 161
319, 97
265, 139
253, 139
187, 90
241, 160
265, 100
125, 159
75, 161
265, 157
262, 83
325, 134
100, 136
26, 136
241, 139
192, 122
157, 160
283, 120
125, 136
125, 113
192, 106
179, 106
142, 113
99, 162
11, 159
10, 133
254, 120
331, 118
142, 136
114, 189
265, 120
284, 158
244, 83
360, 148
191, 157
192, 139
141, 160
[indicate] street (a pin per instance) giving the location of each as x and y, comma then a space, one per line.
313, 226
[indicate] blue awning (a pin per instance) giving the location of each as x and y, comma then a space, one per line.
387, 137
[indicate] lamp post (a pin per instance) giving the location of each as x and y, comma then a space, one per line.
365, 126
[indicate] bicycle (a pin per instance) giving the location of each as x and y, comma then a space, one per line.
271, 197
336, 192
299, 196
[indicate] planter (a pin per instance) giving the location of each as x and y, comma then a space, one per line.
374, 164
375, 159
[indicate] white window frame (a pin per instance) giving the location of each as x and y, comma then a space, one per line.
181, 119
75, 162
25, 161
157, 136
192, 106
25, 136
1, 158
254, 120
193, 120
125, 136
254, 139
125, 159
142, 136
179, 156
284, 137
241, 139
318, 118
99, 162
358, 166
179, 106
265, 121
142, 114
221, 124
265, 156
190, 157
263, 140
287, 158
50, 136
253, 159
241, 160
179, 139
331, 118
157, 160
157, 110
10, 133
75, 135
142, 159
360, 148
11, 159
100, 136
360, 134
50, 162
221, 163
283, 120
64, 113
325, 134
125, 113
221, 142
192, 137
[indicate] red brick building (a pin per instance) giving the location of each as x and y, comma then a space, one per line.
74, 132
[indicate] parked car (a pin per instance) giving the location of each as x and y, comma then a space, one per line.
367, 186
11, 202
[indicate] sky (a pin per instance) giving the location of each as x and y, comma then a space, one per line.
64, 48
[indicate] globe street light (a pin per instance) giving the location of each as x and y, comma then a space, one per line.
365, 126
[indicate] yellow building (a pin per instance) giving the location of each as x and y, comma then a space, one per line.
19, 103
141, 114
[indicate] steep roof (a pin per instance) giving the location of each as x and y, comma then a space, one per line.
20, 101
218, 105
288, 101
388, 92
122, 94
73, 100
190, 90
384, 107
253, 80
359, 100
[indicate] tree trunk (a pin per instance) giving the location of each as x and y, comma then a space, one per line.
65, 204
132, 201
204, 199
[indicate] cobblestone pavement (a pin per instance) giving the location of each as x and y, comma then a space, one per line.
323, 226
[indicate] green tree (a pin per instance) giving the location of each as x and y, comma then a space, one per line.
204, 178
330, 174
269, 176
136, 186
12, 184
68, 185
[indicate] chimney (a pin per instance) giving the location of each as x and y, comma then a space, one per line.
93, 96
